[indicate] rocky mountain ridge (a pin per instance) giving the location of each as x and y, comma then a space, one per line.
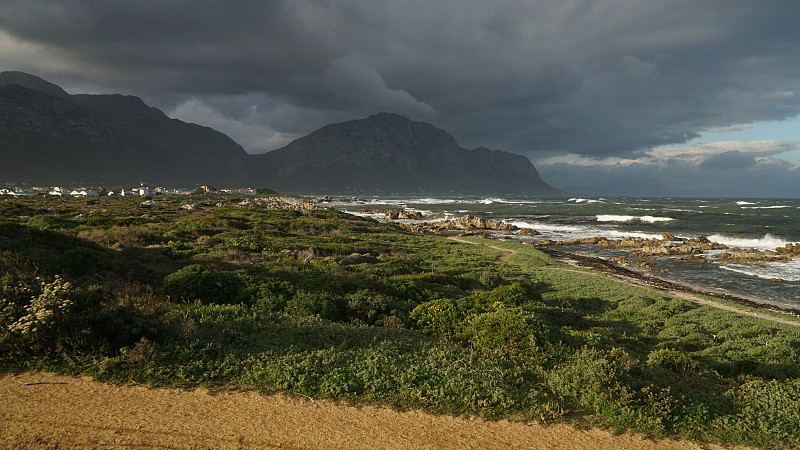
392, 153
48, 136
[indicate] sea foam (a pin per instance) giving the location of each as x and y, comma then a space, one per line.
768, 242
619, 218
789, 271
585, 200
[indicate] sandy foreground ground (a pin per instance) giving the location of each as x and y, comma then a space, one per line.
43, 410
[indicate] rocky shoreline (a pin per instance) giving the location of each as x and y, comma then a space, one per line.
633, 266
607, 266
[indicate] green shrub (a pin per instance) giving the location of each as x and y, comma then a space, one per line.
499, 329
83, 261
674, 360
768, 408
50, 222
440, 317
271, 294
320, 304
366, 306
194, 282
509, 295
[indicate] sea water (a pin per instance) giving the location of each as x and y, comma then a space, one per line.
762, 224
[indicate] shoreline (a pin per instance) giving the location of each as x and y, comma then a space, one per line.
644, 279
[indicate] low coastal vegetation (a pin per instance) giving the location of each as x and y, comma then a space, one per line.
221, 292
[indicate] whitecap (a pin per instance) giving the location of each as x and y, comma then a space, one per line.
489, 201
619, 218
559, 232
768, 242
613, 218
585, 200
766, 207
789, 271
364, 214
742, 202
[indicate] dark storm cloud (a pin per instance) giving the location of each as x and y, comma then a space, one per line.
595, 78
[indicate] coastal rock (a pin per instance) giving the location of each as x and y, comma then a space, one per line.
471, 222
790, 250
402, 214
527, 232
752, 256
284, 203
475, 226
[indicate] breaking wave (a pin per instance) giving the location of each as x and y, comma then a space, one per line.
768, 242
619, 218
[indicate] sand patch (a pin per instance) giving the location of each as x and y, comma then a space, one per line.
43, 410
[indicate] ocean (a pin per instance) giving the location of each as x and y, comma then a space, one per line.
762, 224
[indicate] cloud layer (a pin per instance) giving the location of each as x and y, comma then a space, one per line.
596, 78
719, 169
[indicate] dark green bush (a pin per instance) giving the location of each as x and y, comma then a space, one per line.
83, 261
440, 317
320, 304
510, 295
271, 294
674, 360
366, 306
50, 222
500, 329
194, 282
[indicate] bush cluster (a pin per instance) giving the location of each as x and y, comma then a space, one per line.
31, 313
195, 282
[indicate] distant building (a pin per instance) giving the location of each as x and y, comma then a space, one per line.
143, 191
59, 192
204, 189
84, 193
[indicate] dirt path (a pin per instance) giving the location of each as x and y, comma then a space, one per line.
636, 282
42, 410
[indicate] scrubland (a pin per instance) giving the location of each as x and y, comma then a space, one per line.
326, 305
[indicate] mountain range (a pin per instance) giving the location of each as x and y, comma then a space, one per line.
50, 137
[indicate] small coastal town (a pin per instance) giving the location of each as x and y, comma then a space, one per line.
142, 190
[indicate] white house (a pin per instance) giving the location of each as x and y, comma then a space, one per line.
144, 191
84, 193
57, 191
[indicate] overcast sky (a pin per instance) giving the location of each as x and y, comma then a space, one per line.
633, 97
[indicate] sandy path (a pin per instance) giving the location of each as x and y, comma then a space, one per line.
634, 282
42, 410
